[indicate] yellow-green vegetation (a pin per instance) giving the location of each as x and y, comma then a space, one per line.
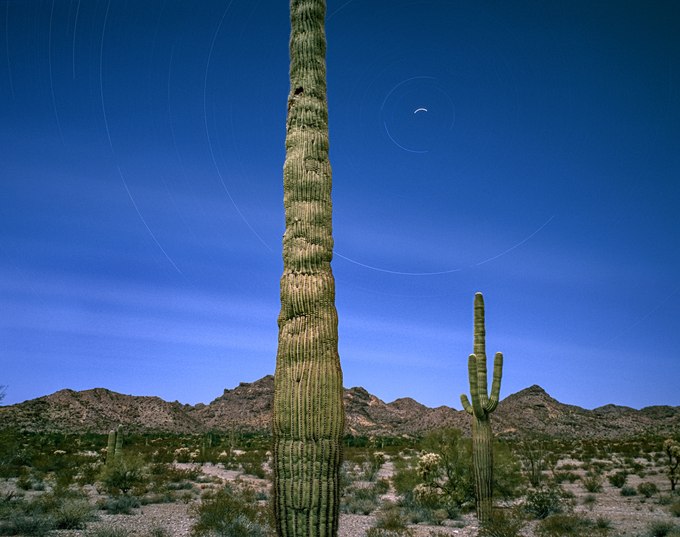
44, 479
232, 511
390, 522
570, 524
59, 509
504, 523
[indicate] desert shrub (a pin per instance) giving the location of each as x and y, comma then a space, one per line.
603, 525
661, 528
389, 522
592, 483
589, 500
562, 476
503, 523
628, 491
371, 465
252, 461
418, 514
545, 501
231, 512
31, 525
647, 489
536, 458
405, 477
675, 508
382, 486
664, 499
73, 514
618, 479
157, 497
123, 475
24, 481
121, 505
563, 525
447, 466
61, 509
359, 500
88, 474
167, 473
508, 480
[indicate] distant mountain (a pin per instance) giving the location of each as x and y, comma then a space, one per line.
248, 407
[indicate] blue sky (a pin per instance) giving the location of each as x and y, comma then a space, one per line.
528, 150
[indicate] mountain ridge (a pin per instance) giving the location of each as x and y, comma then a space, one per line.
248, 406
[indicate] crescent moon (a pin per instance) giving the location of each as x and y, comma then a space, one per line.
420, 110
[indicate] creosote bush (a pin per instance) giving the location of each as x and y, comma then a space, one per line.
618, 479
504, 523
545, 501
663, 528
232, 512
572, 525
390, 522
628, 491
592, 483
123, 474
62, 509
120, 505
647, 489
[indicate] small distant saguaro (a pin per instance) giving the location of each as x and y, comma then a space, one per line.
308, 413
480, 409
114, 447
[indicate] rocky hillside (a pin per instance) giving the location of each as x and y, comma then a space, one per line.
248, 407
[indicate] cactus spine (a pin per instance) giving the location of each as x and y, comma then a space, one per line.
308, 413
480, 409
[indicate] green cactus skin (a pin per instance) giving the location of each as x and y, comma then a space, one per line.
308, 412
114, 445
110, 447
118, 453
480, 409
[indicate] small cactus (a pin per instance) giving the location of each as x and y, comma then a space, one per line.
480, 409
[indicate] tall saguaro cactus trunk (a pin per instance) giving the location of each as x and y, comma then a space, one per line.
308, 413
480, 409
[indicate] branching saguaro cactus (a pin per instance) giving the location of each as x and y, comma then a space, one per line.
114, 446
480, 409
308, 413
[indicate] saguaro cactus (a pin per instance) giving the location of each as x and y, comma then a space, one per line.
480, 409
114, 446
110, 447
308, 413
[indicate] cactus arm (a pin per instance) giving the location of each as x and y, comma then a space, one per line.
466, 404
479, 348
496, 382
